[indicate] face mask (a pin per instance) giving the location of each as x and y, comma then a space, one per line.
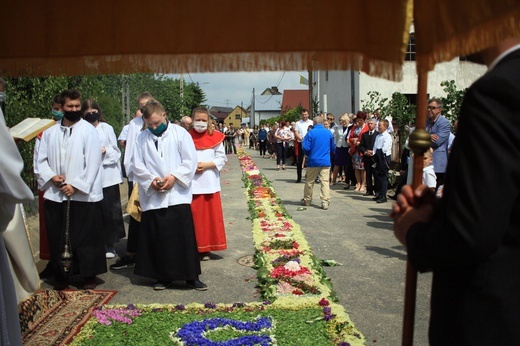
200, 126
72, 116
58, 115
159, 130
91, 117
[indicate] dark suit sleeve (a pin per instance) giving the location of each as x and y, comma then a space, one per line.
363, 143
477, 217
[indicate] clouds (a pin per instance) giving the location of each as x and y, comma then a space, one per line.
232, 89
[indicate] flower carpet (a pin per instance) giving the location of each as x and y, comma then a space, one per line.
298, 308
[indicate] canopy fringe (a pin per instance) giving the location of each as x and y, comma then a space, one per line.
270, 61
471, 41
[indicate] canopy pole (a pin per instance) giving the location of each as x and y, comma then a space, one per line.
419, 142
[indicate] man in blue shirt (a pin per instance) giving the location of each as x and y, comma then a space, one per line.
318, 144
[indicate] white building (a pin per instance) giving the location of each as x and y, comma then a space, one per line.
339, 92
265, 107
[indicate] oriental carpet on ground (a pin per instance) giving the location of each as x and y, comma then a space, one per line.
53, 317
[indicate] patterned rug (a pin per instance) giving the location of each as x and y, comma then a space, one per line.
53, 317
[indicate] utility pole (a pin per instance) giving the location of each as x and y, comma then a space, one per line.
181, 86
311, 110
253, 116
125, 100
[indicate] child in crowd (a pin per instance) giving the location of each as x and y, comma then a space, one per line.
429, 179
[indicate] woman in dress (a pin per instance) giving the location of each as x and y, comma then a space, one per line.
341, 155
357, 156
283, 135
206, 206
254, 138
114, 228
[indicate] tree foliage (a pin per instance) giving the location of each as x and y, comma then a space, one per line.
452, 101
32, 97
291, 115
402, 112
374, 102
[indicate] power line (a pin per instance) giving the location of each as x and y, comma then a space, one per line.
280, 79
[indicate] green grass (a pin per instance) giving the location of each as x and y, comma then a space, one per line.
153, 328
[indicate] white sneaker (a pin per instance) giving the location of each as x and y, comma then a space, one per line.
111, 253
325, 206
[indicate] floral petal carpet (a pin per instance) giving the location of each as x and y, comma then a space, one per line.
298, 308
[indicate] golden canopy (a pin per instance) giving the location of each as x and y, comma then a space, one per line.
58, 37
39, 38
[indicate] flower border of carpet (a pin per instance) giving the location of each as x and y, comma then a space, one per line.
290, 278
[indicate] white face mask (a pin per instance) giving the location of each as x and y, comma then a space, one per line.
200, 126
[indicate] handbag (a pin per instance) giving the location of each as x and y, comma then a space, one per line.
133, 207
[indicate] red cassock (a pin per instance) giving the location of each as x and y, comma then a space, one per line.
206, 209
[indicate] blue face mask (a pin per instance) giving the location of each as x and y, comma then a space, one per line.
58, 115
159, 130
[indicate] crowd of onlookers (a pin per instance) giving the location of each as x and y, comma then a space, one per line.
361, 157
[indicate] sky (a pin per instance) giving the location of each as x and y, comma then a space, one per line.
232, 89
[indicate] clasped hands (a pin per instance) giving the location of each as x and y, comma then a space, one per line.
59, 181
203, 166
163, 184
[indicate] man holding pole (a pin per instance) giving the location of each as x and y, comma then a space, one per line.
68, 169
470, 239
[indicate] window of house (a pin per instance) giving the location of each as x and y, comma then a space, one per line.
412, 98
410, 49
237, 116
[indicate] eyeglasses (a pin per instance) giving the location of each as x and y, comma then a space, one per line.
91, 113
431, 108
331, 119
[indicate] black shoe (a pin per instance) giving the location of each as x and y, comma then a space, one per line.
90, 283
124, 262
317, 180
204, 256
48, 272
394, 197
381, 200
160, 285
298, 181
60, 285
368, 194
196, 285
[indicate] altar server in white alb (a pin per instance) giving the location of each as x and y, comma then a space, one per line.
134, 128
164, 164
112, 214
69, 166
206, 207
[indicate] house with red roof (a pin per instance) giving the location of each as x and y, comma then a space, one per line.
294, 98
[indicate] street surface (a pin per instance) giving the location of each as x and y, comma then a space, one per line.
355, 231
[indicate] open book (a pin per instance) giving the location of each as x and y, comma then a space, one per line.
30, 128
